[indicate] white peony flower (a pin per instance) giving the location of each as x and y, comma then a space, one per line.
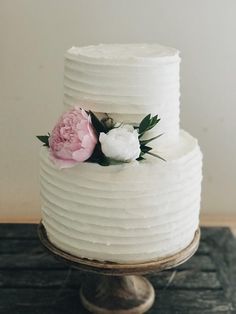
121, 143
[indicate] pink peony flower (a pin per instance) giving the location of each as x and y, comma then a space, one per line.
73, 139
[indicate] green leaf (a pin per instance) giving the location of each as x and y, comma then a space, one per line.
44, 139
144, 124
140, 158
104, 162
152, 125
147, 124
144, 149
98, 157
150, 139
155, 155
154, 119
97, 124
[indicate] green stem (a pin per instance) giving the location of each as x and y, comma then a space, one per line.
155, 155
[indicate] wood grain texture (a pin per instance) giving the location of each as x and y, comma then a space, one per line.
32, 281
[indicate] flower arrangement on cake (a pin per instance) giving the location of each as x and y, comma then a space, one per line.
80, 136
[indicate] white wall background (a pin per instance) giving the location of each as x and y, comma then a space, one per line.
34, 36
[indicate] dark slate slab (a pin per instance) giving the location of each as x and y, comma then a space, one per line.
55, 278
67, 300
18, 246
18, 231
34, 282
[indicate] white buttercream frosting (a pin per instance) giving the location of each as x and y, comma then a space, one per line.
130, 212
127, 81
103, 212
128, 54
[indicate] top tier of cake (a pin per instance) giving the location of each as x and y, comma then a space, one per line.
127, 81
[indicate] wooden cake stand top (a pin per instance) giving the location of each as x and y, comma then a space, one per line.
117, 269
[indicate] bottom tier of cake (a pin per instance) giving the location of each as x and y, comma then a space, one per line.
125, 213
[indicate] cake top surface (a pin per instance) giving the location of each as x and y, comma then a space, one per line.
120, 53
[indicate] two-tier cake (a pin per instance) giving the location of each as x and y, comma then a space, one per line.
132, 211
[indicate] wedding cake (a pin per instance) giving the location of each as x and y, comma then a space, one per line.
143, 208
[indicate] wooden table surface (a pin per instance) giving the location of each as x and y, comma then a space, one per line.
34, 282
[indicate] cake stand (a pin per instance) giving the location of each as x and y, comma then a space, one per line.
113, 288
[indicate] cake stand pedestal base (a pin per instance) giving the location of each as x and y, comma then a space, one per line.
121, 295
112, 288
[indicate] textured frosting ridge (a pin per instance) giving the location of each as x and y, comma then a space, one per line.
131, 212
125, 80
103, 212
